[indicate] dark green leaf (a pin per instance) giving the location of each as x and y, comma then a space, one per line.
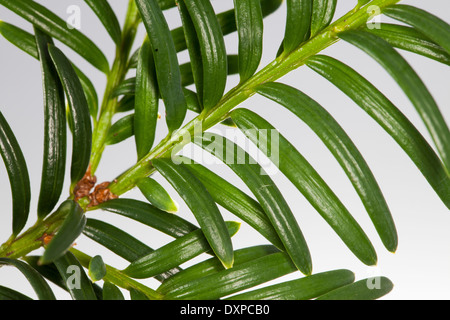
10, 294
48, 271
111, 292
192, 101
137, 295
367, 289
411, 84
116, 240
89, 92
157, 195
322, 15
249, 22
71, 228
166, 62
371, 100
20, 38
121, 243
193, 69
298, 170
302, 289
82, 131
298, 23
126, 87
18, 175
57, 28
236, 279
345, 152
213, 265
54, 163
42, 289
125, 104
213, 52
79, 285
97, 269
407, 38
108, 18
121, 130
267, 194
202, 206
146, 101
433, 27
166, 4
174, 253
149, 215
235, 201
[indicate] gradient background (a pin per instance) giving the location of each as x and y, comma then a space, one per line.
420, 269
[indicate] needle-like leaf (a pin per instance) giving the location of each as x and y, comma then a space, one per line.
202, 206
166, 62
298, 170
71, 228
57, 28
82, 131
146, 101
54, 163
111, 292
18, 175
236, 279
10, 294
345, 152
367, 289
108, 18
149, 215
121, 130
411, 84
116, 240
194, 68
174, 253
301, 289
20, 38
48, 271
433, 27
212, 49
213, 265
298, 23
267, 194
322, 15
121, 243
40, 286
157, 195
235, 201
372, 101
407, 38
249, 22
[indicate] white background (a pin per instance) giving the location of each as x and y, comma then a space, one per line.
420, 269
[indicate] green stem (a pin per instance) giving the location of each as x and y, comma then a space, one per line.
31, 239
115, 77
118, 278
284, 64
